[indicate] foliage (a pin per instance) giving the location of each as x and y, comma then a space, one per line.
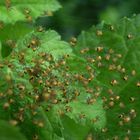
13, 11
54, 90
13, 133
115, 50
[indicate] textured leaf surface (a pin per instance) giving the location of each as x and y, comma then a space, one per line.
80, 106
95, 89
0, 51
48, 42
10, 33
14, 10
66, 127
115, 50
90, 111
8, 132
79, 115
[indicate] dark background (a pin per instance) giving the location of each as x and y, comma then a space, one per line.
77, 15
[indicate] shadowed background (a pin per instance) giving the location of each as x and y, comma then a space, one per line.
77, 15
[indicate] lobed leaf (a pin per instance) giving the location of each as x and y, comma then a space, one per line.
115, 50
14, 10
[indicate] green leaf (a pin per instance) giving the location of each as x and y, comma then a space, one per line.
65, 127
14, 10
47, 132
9, 40
77, 65
0, 51
73, 130
13, 31
90, 111
115, 50
48, 42
110, 15
72, 126
8, 132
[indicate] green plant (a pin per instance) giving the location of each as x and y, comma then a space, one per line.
54, 90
